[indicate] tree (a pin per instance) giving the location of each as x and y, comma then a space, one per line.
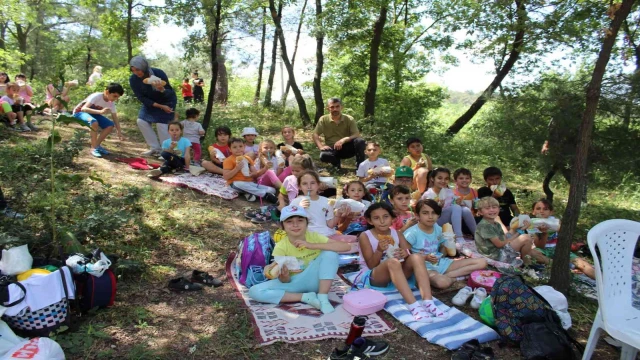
274, 56
214, 62
370, 94
560, 275
317, 87
285, 94
256, 97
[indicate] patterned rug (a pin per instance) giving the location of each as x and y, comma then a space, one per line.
298, 322
206, 183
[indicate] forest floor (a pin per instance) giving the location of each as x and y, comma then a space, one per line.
189, 231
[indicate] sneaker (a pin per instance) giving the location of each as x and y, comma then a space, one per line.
10, 213
24, 127
252, 213
479, 295
371, 347
260, 219
96, 153
462, 296
466, 351
154, 173
249, 197
32, 127
102, 150
182, 284
150, 152
269, 197
350, 353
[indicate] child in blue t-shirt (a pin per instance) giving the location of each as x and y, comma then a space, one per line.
176, 151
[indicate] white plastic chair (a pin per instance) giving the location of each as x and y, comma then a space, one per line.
616, 240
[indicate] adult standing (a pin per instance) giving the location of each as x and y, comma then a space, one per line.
158, 103
341, 136
198, 88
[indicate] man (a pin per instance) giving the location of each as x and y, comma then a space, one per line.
341, 136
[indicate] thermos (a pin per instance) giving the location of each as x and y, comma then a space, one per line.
357, 327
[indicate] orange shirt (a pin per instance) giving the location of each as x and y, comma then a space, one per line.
230, 164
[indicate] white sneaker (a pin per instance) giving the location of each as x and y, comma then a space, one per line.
250, 197
462, 296
154, 173
150, 152
479, 295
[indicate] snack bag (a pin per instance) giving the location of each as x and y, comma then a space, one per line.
499, 189
449, 237
245, 167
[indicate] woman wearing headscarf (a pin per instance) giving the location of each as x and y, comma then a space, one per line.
158, 102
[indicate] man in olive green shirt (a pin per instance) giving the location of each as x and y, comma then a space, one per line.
341, 136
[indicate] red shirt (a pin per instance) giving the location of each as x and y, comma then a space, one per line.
186, 90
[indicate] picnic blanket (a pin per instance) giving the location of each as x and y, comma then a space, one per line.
138, 163
635, 283
209, 184
297, 322
450, 333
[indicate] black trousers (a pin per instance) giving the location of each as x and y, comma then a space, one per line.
353, 148
171, 162
3, 202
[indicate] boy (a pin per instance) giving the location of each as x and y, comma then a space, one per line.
401, 199
176, 152
493, 176
373, 163
403, 176
11, 104
237, 179
93, 109
420, 164
491, 241
218, 151
192, 131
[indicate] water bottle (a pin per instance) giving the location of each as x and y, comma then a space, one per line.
357, 327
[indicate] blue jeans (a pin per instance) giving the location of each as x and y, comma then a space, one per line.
324, 267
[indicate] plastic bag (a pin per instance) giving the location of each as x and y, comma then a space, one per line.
16, 260
79, 265
558, 302
35, 349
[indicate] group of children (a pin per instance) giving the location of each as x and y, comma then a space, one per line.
15, 102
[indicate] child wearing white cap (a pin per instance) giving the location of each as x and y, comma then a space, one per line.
318, 259
250, 147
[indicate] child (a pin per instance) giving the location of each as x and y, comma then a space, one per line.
490, 237
288, 134
274, 165
250, 147
403, 176
26, 92
365, 172
4, 80
52, 91
467, 194
13, 108
319, 265
95, 75
401, 199
176, 151
219, 151
93, 109
546, 240
354, 224
187, 94
378, 268
192, 131
419, 162
289, 189
426, 238
451, 212
232, 168
493, 176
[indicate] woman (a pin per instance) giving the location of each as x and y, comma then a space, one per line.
95, 76
158, 103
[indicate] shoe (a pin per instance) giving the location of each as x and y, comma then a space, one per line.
24, 127
249, 197
370, 347
269, 197
182, 284
96, 153
10, 213
486, 353
202, 277
252, 213
479, 295
462, 296
351, 353
154, 173
260, 219
466, 351
102, 150
150, 152
32, 127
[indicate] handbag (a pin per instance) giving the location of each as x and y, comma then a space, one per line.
363, 301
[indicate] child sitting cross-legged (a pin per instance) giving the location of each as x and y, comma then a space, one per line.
426, 238
176, 151
318, 261
241, 174
218, 151
267, 158
400, 197
371, 171
385, 258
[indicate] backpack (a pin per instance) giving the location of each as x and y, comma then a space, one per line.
255, 253
514, 300
96, 292
545, 339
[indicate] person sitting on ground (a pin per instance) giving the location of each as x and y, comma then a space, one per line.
426, 238
288, 135
60, 90
289, 189
95, 75
319, 265
403, 176
400, 197
176, 152
219, 150
275, 171
493, 177
4, 80
420, 164
93, 109
249, 135
468, 195
341, 136
12, 107
241, 174
193, 131
354, 223
26, 92
369, 171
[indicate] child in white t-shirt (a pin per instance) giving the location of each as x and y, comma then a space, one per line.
371, 171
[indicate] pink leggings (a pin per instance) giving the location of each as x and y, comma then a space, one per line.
270, 178
197, 151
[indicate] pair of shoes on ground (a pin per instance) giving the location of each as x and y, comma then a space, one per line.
198, 278
362, 348
471, 350
99, 151
269, 197
260, 216
479, 294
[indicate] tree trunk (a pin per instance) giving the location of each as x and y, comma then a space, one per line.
221, 95
129, 20
302, 106
274, 57
560, 276
295, 51
214, 66
256, 97
521, 14
374, 54
545, 185
3, 46
22, 35
317, 88
87, 64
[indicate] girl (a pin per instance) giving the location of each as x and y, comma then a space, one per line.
289, 189
219, 150
400, 197
426, 238
354, 224
451, 212
275, 167
467, 194
4, 80
60, 90
546, 240
288, 134
95, 75
378, 269
319, 265
250, 147
321, 217
176, 151
12, 107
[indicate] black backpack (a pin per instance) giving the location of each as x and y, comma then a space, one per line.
544, 339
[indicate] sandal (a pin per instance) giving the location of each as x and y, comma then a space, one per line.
182, 284
466, 351
204, 278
